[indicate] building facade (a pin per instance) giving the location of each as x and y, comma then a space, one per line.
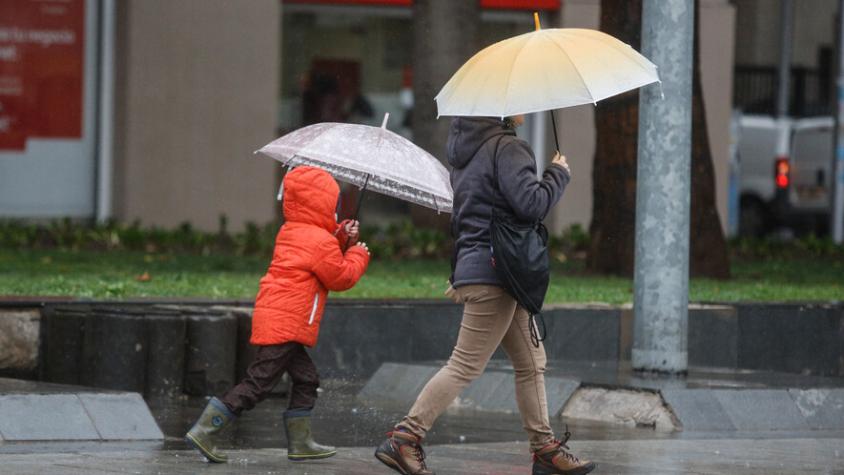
164, 103
759, 41
174, 95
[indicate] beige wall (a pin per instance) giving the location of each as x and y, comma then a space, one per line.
576, 125
576, 128
196, 93
717, 46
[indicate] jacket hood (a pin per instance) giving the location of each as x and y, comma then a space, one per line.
468, 134
310, 197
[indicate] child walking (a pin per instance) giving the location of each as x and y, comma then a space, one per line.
308, 261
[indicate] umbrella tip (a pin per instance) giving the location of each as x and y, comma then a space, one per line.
536, 21
386, 118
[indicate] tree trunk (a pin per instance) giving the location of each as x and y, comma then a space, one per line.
445, 35
614, 170
613, 224
709, 256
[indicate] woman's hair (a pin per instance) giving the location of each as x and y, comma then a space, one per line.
509, 123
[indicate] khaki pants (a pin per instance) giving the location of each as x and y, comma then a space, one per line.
490, 317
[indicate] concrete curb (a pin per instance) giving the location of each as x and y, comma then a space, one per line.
397, 386
60, 413
749, 409
358, 336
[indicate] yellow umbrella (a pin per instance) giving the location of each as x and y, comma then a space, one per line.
544, 70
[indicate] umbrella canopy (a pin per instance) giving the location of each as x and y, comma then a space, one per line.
544, 70
370, 157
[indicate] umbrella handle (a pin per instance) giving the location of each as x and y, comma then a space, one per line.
554, 127
553, 121
360, 198
357, 209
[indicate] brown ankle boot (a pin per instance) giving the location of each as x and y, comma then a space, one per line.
553, 459
403, 453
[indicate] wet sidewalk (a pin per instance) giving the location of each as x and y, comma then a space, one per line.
710, 456
460, 444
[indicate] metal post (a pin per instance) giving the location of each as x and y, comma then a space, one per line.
105, 145
837, 211
538, 132
661, 278
784, 73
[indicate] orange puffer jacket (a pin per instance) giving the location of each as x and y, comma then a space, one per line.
307, 262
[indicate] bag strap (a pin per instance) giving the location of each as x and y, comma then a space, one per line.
453, 252
536, 336
495, 172
495, 184
495, 180
495, 165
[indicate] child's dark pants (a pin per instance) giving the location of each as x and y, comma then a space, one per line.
270, 363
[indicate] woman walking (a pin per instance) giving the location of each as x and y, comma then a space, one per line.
479, 150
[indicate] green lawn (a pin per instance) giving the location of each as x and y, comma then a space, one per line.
118, 275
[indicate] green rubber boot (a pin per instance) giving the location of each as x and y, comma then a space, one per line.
202, 436
300, 442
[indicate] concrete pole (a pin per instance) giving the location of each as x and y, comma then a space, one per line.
661, 280
784, 72
837, 211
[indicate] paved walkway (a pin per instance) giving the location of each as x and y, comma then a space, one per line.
713, 456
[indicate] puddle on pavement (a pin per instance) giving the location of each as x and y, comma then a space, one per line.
340, 419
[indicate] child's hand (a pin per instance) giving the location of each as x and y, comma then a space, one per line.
364, 246
353, 230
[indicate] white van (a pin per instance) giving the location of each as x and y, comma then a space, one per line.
784, 168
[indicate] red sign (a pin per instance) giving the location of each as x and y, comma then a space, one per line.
41, 70
496, 4
522, 4
391, 3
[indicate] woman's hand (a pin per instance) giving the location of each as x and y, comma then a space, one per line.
353, 230
364, 246
560, 160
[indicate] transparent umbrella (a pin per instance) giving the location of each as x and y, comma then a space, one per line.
370, 157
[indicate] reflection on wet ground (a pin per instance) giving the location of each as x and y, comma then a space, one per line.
340, 419
459, 444
628, 457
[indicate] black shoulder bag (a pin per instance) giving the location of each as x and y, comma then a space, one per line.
520, 258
